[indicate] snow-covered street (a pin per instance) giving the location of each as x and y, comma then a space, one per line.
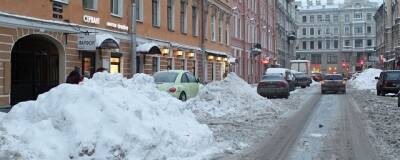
227, 120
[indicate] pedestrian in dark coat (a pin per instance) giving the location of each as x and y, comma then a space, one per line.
75, 76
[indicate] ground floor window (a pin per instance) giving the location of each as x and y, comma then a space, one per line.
88, 63
155, 62
213, 71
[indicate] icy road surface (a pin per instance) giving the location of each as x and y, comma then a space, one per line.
329, 126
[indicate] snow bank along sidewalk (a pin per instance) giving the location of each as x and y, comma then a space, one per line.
107, 117
383, 117
366, 79
234, 111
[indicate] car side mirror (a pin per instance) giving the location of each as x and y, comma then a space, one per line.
376, 77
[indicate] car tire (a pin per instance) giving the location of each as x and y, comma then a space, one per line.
182, 97
344, 91
323, 92
378, 92
303, 86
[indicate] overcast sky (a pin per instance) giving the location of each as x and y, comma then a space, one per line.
304, 2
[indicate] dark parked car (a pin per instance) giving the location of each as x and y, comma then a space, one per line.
273, 85
317, 77
388, 82
302, 80
333, 82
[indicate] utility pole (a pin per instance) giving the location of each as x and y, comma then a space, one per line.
133, 38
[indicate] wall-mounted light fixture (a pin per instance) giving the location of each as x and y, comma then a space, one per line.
219, 58
225, 59
190, 55
179, 53
210, 57
165, 51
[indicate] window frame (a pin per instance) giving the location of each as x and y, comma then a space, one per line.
95, 5
155, 16
120, 8
171, 15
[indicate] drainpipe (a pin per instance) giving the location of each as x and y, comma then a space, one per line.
133, 38
202, 45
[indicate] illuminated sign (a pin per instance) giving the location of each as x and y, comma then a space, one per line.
117, 26
91, 19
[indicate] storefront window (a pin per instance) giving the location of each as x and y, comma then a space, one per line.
115, 65
155, 64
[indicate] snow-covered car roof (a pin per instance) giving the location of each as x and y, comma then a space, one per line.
276, 70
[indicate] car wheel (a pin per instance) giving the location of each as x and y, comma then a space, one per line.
303, 86
322, 92
286, 97
183, 97
344, 91
378, 92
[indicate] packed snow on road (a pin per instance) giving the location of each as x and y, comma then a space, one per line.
107, 117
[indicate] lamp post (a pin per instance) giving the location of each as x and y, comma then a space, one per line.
255, 51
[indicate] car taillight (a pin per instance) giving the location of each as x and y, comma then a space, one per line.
172, 90
261, 84
322, 82
343, 82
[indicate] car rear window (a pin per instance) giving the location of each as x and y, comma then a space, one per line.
273, 77
300, 75
393, 76
333, 77
165, 77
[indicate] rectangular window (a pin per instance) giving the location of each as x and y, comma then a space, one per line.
304, 19
369, 16
311, 44
311, 31
328, 44
155, 13
213, 35
369, 29
358, 16
335, 18
328, 31
304, 31
369, 42
194, 21
336, 31
90, 4
220, 28
154, 68
116, 7
347, 30
183, 17
336, 44
347, 43
170, 15
358, 29
139, 10
319, 44
312, 19
315, 58
358, 43
304, 45
346, 18
319, 31
319, 18
332, 59
328, 18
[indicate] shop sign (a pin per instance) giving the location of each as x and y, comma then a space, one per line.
87, 42
91, 19
117, 26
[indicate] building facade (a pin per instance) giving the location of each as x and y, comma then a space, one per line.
42, 42
388, 34
252, 38
337, 38
286, 27
185, 35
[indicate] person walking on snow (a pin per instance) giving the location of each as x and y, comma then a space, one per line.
75, 76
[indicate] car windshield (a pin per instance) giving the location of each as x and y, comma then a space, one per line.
273, 77
333, 77
393, 76
165, 77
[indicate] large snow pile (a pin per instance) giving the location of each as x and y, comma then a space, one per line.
230, 97
107, 117
366, 80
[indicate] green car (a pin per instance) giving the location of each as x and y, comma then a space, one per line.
179, 83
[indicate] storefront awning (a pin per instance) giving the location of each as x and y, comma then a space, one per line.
149, 48
106, 41
217, 53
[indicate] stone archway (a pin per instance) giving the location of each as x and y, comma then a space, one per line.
35, 67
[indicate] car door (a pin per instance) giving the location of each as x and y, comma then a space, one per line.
185, 85
193, 84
